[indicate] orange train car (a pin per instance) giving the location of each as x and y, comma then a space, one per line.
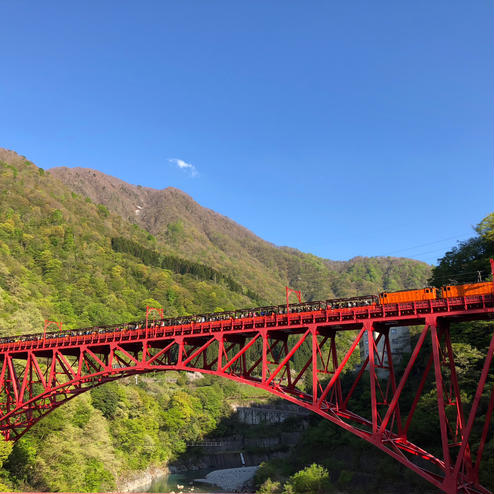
408, 296
466, 290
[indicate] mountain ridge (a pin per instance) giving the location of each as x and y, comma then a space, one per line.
204, 235
179, 226
93, 184
69, 174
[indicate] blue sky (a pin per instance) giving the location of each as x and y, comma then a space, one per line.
339, 128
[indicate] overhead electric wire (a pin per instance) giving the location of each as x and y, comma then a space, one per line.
439, 253
465, 276
428, 252
428, 243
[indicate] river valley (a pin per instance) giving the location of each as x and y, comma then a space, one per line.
182, 482
225, 480
227, 463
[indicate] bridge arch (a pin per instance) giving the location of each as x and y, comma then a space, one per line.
37, 377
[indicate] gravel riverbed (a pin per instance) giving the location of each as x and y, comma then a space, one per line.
231, 479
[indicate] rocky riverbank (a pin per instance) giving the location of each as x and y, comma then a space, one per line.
142, 481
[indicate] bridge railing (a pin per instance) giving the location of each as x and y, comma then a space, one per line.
124, 332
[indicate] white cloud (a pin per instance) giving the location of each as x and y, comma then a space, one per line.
186, 167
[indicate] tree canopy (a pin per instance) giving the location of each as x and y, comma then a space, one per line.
469, 260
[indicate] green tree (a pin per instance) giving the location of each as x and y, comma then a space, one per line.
103, 211
5, 450
106, 398
270, 487
486, 227
313, 479
97, 477
463, 262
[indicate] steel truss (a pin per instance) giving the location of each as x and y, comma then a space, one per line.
36, 377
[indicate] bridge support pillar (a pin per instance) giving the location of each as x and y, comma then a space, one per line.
221, 349
315, 380
264, 335
369, 328
180, 341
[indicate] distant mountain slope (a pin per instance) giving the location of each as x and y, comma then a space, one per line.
182, 226
152, 209
57, 261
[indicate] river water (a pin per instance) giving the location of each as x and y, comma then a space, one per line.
172, 481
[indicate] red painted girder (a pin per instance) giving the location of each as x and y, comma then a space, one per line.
93, 364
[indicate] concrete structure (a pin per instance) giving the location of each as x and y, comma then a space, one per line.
399, 338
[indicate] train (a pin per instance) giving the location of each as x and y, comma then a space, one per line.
432, 293
384, 298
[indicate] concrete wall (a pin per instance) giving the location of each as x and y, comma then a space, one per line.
264, 415
399, 337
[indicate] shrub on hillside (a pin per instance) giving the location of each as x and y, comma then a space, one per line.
311, 480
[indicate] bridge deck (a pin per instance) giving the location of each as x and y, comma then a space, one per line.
408, 313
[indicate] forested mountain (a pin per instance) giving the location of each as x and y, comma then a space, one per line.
182, 226
77, 251
57, 261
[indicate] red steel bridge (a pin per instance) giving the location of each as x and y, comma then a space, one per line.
38, 375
